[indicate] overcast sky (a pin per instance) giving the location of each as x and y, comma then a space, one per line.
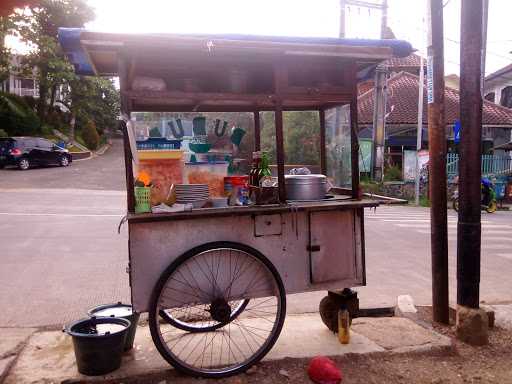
303, 18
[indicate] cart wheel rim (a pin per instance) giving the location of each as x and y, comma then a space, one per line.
193, 286
64, 161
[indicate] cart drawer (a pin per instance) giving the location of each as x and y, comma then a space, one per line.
332, 246
268, 225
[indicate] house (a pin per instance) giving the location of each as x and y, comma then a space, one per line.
498, 87
402, 117
17, 84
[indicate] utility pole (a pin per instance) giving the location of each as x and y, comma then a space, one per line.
379, 108
343, 5
379, 124
485, 17
469, 224
419, 133
437, 162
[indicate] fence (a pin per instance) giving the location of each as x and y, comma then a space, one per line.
490, 164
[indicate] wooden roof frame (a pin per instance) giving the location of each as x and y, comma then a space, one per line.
233, 73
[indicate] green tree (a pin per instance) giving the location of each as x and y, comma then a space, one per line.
39, 28
92, 98
16, 117
301, 131
90, 135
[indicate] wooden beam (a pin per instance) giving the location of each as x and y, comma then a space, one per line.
128, 164
222, 108
280, 151
257, 131
307, 96
354, 139
125, 113
323, 155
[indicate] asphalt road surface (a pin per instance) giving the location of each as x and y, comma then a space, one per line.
104, 172
61, 254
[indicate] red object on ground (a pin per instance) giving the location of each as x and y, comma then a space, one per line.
322, 370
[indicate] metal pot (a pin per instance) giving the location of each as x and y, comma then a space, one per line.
305, 187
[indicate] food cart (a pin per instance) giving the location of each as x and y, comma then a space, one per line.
215, 280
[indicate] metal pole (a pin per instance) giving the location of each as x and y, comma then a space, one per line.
257, 131
379, 129
323, 154
437, 160
280, 151
469, 227
485, 17
419, 133
342, 18
384, 20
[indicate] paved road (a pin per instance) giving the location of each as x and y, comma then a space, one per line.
61, 254
104, 172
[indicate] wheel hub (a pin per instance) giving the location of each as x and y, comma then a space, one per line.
220, 310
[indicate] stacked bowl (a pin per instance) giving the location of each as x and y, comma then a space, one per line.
195, 194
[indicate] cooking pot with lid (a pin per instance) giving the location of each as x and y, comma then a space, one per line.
306, 187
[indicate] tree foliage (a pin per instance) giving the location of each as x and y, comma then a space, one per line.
38, 27
90, 135
301, 131
16, 117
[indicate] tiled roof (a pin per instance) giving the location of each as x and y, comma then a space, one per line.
402, 104
412, 60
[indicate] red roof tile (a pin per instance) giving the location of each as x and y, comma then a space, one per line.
412, 60
402, 104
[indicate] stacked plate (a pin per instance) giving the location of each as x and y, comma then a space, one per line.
195, 194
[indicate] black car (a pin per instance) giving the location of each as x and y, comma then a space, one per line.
25, 152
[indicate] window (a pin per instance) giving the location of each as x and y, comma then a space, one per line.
506, 97
491, 96
44, 144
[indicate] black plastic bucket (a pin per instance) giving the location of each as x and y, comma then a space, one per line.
98, 343
122, 311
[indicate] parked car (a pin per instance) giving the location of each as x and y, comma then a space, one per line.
25, 152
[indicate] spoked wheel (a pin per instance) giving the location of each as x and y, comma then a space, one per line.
197, 318
227, 305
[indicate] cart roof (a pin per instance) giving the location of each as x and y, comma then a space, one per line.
202, 71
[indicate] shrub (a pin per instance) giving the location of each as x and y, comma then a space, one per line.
393, 173
90, 135
3, 133
16, 117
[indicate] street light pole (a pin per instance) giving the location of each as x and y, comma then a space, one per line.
419, 133
437, 162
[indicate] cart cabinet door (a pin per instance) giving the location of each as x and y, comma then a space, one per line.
333, 251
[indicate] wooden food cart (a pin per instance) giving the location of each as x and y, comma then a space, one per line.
214, 280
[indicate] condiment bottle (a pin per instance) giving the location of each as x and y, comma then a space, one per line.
343, 325
255, 170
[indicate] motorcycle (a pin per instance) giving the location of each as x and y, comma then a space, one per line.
488, 202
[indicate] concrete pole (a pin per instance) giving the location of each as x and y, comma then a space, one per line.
437, 162
419, 133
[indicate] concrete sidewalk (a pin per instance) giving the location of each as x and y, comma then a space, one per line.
48, 357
